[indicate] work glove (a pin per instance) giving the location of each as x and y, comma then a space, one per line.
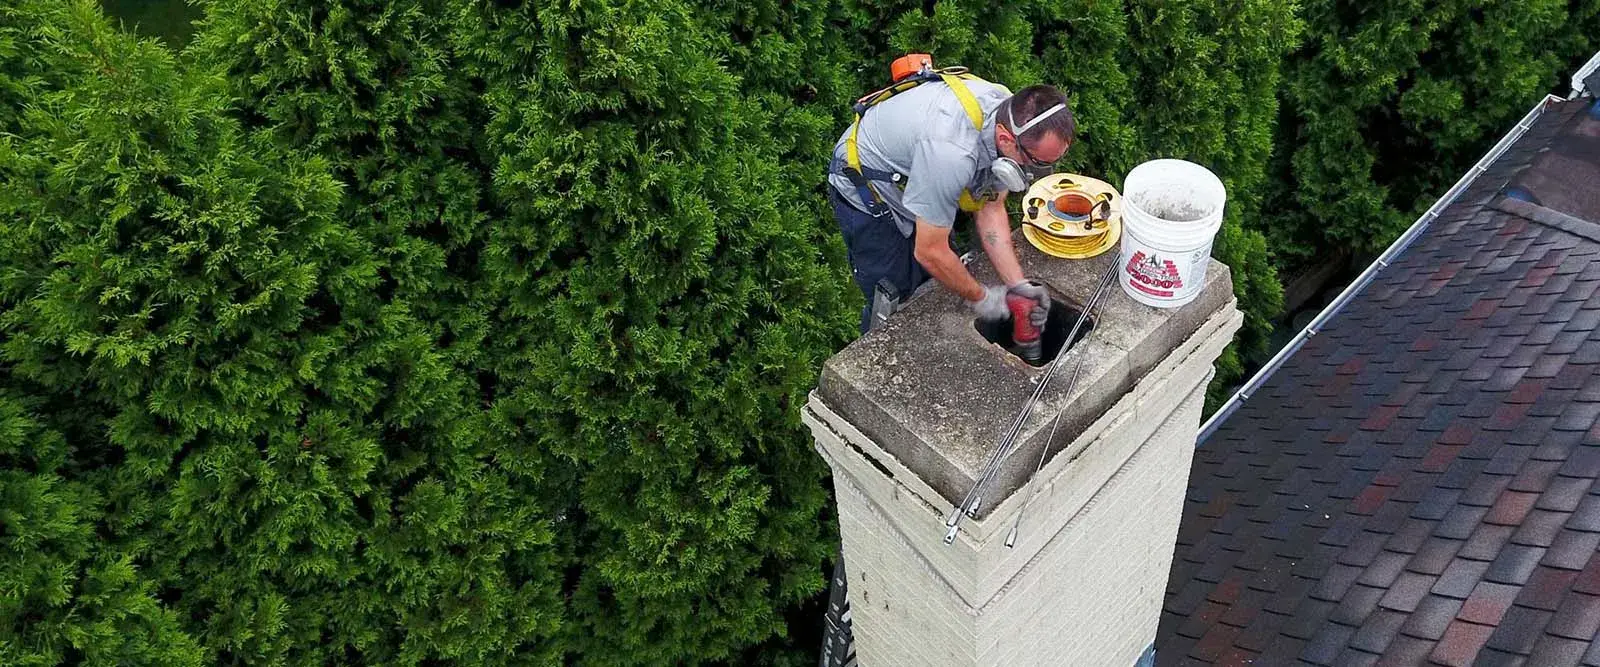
993, 304
1041, 296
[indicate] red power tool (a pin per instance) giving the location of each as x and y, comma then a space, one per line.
1027, 337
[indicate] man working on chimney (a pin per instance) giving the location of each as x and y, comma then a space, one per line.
935, 142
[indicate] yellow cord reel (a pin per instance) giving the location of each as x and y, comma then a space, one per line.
1072, 216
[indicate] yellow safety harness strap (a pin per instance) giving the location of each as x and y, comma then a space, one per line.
955, 78
969, 103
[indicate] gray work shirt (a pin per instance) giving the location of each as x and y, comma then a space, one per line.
925, 135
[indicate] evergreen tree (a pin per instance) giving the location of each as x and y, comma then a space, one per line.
425, 331
1389, 103
640, 269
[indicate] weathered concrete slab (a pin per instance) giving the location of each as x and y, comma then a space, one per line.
933, 393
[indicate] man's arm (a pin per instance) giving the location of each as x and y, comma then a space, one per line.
994, 231
934, 254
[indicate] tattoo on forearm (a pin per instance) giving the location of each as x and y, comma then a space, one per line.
991, 237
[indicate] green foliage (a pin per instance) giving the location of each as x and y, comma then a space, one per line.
426, 331
438, 330
276, 445
1390, 103
549, 189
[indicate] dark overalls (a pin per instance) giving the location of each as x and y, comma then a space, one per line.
877, 251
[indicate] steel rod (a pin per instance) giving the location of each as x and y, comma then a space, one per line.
1001, 453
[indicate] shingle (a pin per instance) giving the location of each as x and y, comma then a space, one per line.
1552, 449
1358, 602
1283, 651
1545, 588
1507, 459
1460, 578
1539, 528
1334, 584
1260, 633
1495, 658
1486, 542
1241, 613
1535, 476
1324, 647
1563, 494
1459, 522
1409, 537
1510, 508
1198, 623
1577, 416
1314, 566
1589, 580
1406, 592
1460, 644
1289, 592
1484, 489
1237, 656
1551, 650
1571, 550
1407, 651
1578, 617
1433, 556
1514, 564
1226, 591
1188, 598
1384, 569
1361, 552
1431, 617
1214, 643
1379, 629
1519, 629
1587, 516
1356, 658
1488, 602
1309, 616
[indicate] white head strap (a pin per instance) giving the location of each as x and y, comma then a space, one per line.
1011, 119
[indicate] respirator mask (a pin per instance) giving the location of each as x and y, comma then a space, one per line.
1011, 176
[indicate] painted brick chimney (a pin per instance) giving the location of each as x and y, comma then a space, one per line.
905, 417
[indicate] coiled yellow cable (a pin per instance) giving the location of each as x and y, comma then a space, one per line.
1073, 247
1065, 234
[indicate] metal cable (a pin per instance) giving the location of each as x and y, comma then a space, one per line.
998, 457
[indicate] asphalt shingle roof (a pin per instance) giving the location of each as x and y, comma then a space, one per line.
1418, 483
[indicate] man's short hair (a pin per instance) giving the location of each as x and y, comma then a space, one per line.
1034, 100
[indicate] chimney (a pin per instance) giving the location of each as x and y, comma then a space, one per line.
905, 417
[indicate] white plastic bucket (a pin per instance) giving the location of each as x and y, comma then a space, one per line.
1171, 211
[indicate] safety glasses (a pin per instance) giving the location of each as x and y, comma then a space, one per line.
1011, 121
1033, 162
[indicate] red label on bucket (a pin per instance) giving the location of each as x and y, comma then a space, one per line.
1152, 275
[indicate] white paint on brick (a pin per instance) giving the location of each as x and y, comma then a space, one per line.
1085, 583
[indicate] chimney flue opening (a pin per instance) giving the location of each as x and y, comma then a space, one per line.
1062, 317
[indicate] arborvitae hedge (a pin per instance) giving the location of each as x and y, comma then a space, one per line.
643, 293
1388, 102
434, 330
168, 469
445, 331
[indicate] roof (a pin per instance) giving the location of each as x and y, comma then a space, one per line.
1417, 483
